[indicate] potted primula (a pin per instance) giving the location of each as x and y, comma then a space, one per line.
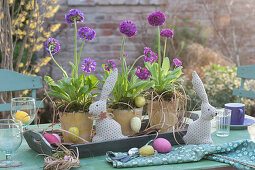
74, 94
128, 100
165, 97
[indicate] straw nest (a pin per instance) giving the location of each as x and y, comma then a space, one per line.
53, 163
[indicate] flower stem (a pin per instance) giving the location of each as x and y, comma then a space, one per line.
123, 65
65, 75
165, 48
79, 56
159, 52
134, 63
121, 54
159, 56
75, 49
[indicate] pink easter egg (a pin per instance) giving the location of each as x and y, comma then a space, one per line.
57, 136
162, 145
51, 138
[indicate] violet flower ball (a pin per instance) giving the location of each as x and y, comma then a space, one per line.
162, 145
128, 28
142, 73
167, 33
177, 62
157, 18
88, 65
87, 33
74, 15
52, 45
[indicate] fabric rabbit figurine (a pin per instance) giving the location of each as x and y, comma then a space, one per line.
106, 127
199, 131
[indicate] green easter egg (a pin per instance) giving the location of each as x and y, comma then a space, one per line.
146, 150
140, 101
75, 131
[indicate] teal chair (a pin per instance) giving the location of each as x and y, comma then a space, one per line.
245, 72
13, 81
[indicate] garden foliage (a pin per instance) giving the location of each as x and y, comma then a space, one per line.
219, 83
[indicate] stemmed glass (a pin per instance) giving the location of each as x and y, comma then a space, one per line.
10, 140
23, 109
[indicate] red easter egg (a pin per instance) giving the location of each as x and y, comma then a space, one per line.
162, 145
57, 136
51, 138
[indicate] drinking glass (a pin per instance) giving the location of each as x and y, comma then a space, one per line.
10, 140
223, 123
23, 109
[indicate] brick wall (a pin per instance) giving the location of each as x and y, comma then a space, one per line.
104, 16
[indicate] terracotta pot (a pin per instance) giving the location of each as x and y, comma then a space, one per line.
162, 115
79, 120
123, 117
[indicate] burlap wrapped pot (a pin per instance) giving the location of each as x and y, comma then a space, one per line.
162, 114
123, 117
79, 120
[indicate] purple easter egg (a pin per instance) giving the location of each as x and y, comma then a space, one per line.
162, 145
51, 138
57, 136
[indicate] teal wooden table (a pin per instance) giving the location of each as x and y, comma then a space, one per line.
32, 161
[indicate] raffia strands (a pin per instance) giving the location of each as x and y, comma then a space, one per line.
180, 100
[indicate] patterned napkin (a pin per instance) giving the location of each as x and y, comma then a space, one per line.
239, 154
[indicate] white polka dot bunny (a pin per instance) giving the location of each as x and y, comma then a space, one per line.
199, 131
106, 127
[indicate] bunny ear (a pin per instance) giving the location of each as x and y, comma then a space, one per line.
109, 84
199, 87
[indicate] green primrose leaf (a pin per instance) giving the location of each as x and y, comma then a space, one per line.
83, 90
70, 91
48, 80
129, 95
141, 88
148, 86
179, 79
73, 68
66, 80
81, 78
94, 82
170, 78
165, 66
138, 84
133, 77
76, 84
60, 96
177, 72
56, 88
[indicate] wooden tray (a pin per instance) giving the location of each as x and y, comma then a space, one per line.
36, 142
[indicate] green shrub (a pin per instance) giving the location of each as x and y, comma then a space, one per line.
219, 82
